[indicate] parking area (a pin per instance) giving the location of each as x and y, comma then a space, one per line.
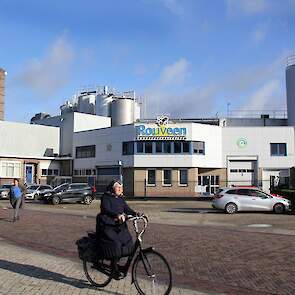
183, 213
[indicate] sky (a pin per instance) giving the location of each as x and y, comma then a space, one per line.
187, 58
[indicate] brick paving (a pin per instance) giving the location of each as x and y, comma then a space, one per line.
28, 272
203, 258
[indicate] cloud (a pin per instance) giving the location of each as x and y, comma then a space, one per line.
174, 6
256, 7
172, 93
49, 74
175, 73
260, 32
259, 87
265, 97
248, 7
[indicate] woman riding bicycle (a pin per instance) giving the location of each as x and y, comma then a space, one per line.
113, 235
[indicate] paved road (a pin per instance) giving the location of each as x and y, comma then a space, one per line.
27, 272
203, 258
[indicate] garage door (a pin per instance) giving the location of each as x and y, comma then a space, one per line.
242, 172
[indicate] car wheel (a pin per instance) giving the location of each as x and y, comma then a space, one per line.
55, 200
87, 200
279, 208
231, 208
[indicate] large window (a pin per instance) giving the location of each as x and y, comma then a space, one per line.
167, 177
151, 177
167, 147
278, 149
128, 148
148, 147
10, 169
85, 151
183, 177
186, 147
199, 147
159, 146
177, 147
139, 147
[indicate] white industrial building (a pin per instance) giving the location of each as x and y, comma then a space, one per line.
157, 157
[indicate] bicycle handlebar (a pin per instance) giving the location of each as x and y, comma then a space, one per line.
135, 220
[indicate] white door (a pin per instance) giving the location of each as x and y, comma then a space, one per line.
242, 173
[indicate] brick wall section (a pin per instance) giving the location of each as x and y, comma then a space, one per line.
160, 190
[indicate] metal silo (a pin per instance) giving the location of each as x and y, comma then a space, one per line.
122, 110
290, 86
103, 105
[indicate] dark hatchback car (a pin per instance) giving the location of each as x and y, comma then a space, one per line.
70, 193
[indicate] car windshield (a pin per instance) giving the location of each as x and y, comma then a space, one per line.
33, 187
60, 187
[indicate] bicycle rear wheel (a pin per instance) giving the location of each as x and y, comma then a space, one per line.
100, 273
152, 274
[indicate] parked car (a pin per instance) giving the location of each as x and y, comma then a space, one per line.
237, 199
5, 190
70, 193
34, 190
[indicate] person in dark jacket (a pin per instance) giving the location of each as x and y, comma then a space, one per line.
114, 237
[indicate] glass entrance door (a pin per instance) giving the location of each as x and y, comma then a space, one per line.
209, 182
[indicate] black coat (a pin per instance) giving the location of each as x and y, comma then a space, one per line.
114, 238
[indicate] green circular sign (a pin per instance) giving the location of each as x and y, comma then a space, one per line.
242, 142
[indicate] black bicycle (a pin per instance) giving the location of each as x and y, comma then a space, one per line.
151, 273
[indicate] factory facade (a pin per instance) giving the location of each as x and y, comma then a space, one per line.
185, 158
101, 136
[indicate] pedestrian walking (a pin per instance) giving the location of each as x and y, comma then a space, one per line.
16, 198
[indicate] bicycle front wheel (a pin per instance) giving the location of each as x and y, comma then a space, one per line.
99, 274
152, 274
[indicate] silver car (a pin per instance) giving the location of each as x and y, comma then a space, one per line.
234, 199
4, 191
34, 190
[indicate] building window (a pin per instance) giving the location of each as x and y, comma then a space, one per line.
88, 171
76, 172
128, 148
85, 151
49, 172
199, 147
278, 149
183, 177
10, 169
167, 147
151, 177
55, 172
139, 147
167, 177
159, 146
44, 172
148, 147
186, 147
177, 147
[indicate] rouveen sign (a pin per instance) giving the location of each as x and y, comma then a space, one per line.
161, 132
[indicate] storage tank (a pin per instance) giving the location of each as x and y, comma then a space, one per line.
86, 104
103, 105
290, 89
136, 111
122, 110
